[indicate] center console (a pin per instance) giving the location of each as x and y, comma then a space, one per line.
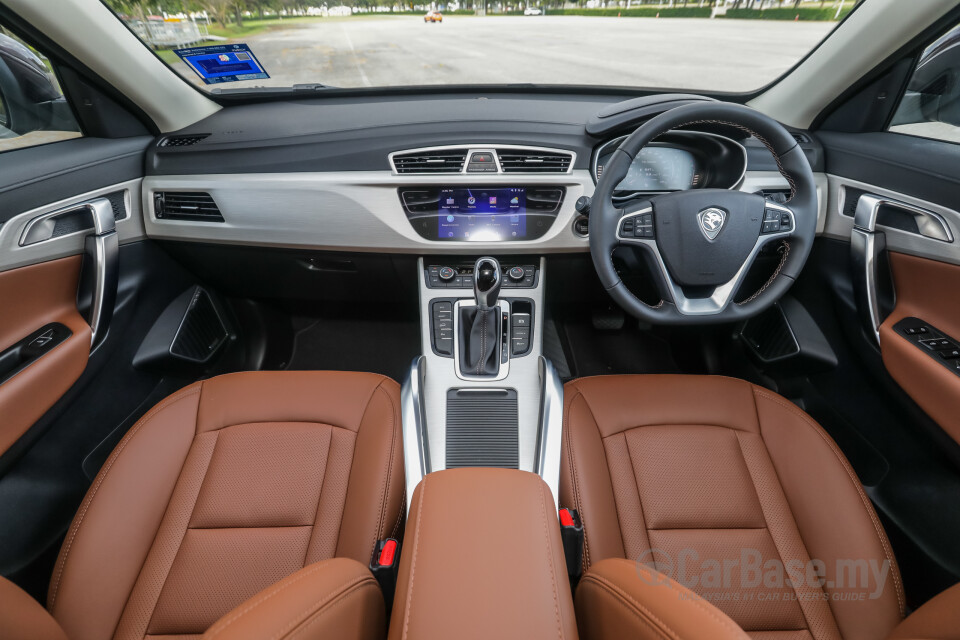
481, 394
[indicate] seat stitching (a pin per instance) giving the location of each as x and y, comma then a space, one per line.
636, 483
396, 526
548, 548
270, 593
316, 609
385, 491
878, 529
573, 478
156, 600
710, 610
802, 604
311, 620
413, 559
316, 511
353, 459
100, 478
627, 602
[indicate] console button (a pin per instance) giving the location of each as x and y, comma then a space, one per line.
443, 327
447, 273
520, 345
951, 354
912, 331
938, 344
520, 320
515, 273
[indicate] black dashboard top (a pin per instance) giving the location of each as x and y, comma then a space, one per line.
358, 133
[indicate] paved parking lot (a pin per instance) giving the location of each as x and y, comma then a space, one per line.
731, 55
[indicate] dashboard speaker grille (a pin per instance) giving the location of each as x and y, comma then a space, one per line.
184, 140
201, 331
532, 161
186, 205
431, 162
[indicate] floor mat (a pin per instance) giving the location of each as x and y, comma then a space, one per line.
351, 344
592, 352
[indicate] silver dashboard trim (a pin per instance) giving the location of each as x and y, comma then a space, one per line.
550, 435
485, 147
523, 377
416, 454
929, 224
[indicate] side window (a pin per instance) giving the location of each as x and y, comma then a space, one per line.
32, 107
931, 105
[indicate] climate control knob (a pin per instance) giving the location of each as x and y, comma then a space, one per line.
447, 273
515, 274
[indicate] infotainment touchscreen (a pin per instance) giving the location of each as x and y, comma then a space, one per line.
482, 214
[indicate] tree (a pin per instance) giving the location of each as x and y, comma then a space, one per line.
219, 10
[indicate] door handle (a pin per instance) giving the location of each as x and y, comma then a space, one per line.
100, 272
872, 284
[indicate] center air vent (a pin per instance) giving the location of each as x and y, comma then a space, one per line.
440, 161
533, 161
186, 205
183, 140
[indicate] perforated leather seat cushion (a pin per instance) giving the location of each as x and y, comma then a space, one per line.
692, 473
223, 489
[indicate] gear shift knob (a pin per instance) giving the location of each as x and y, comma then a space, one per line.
487, 278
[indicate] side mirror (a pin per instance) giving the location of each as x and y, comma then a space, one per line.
29, 96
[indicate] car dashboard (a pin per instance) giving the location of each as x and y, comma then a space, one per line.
417, 174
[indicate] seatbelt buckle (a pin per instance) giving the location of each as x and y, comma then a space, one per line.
571, 533
385, 565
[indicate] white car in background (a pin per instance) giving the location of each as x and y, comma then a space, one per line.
532, 11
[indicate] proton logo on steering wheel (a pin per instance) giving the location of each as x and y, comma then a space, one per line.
711, 222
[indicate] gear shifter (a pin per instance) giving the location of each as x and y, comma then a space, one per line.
487, 278
480, 325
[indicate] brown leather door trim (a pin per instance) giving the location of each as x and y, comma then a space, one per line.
31, 297
926, 289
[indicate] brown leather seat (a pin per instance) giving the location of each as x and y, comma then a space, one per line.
701, 476
226, 488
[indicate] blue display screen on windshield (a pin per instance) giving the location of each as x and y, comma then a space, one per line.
482, 214
223, 63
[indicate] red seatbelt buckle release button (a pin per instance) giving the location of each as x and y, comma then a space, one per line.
571, 533
385, 565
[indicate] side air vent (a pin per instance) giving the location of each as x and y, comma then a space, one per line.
184, 140
802, 138
186, 205
441, 161
532, 161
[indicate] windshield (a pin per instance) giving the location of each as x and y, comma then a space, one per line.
705, 45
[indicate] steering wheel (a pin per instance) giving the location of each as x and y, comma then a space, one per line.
704, 241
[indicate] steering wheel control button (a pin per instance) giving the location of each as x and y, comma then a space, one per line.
626, 228
447, 274
776, 221
515, 273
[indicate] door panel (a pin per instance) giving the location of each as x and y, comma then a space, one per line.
34, 297
926, 289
